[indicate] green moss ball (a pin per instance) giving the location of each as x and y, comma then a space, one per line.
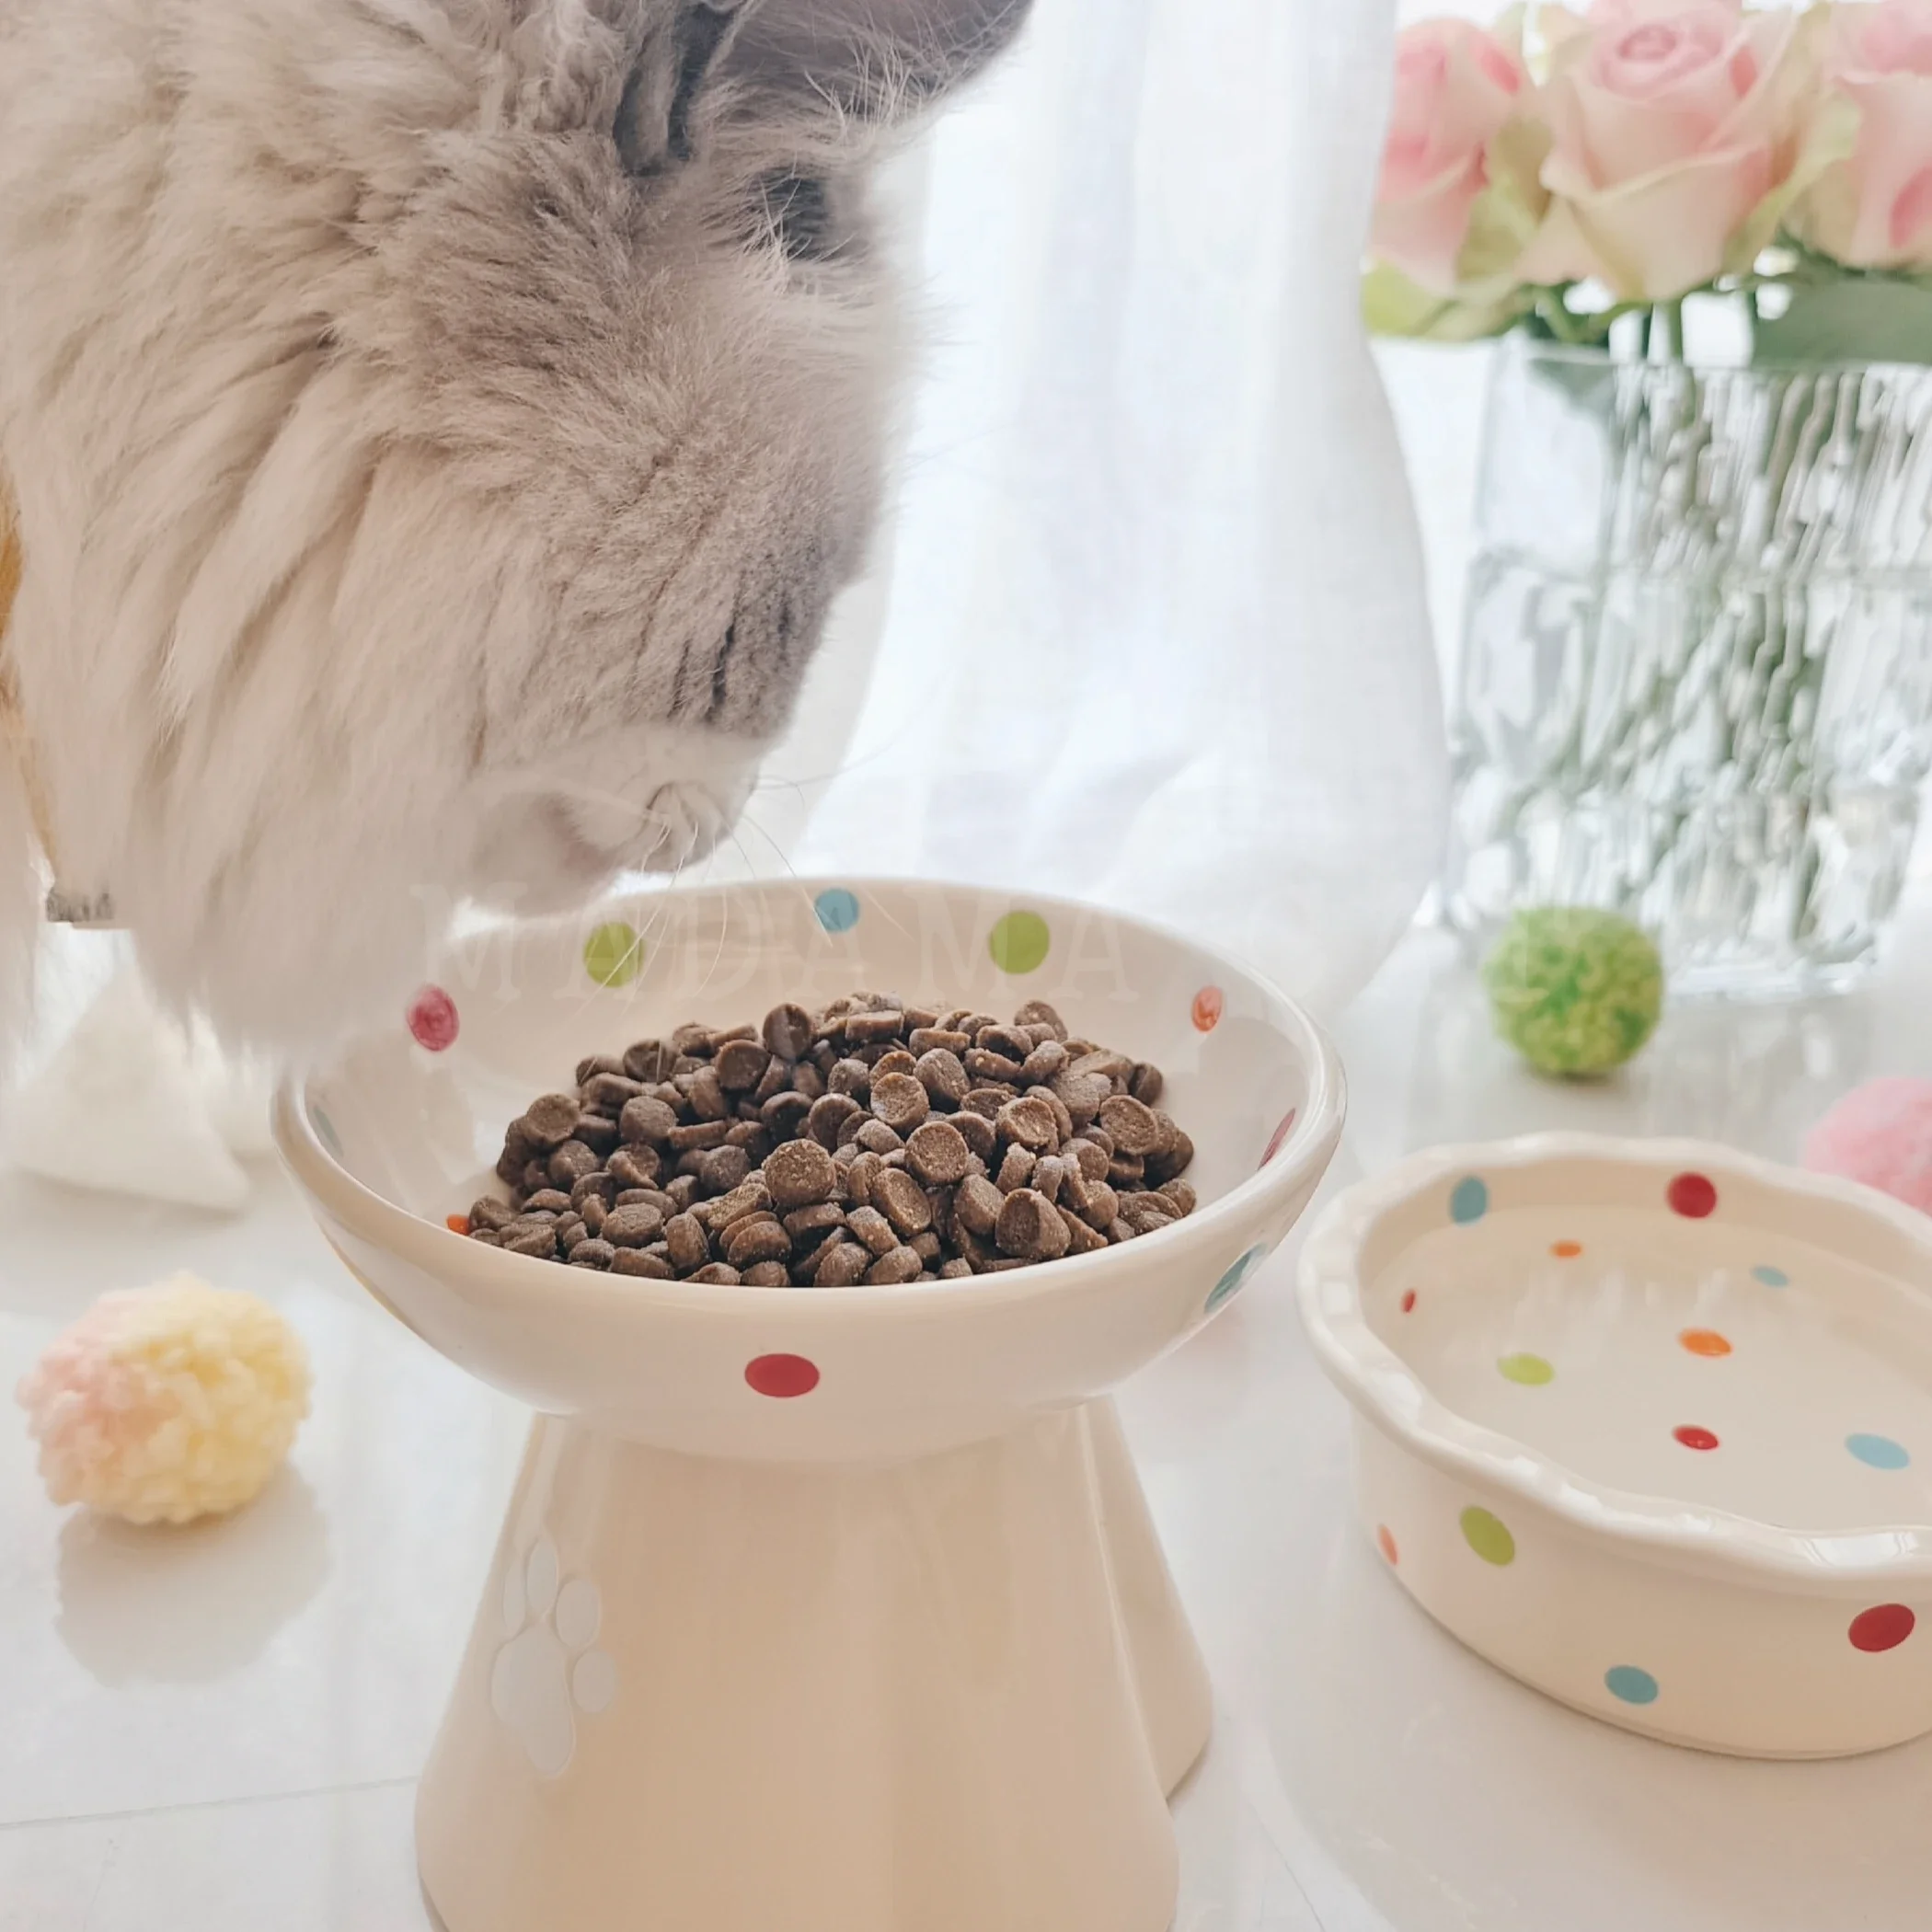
1575, 992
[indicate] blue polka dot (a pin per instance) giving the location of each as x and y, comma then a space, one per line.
1771, 1277
837, 910
1630, 1686
1880, 1451
1470, 1201
1235, 1279
325, 1131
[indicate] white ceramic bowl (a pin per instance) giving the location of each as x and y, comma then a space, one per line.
395, 1136
1649, 1425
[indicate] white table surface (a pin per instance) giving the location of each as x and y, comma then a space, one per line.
219, 1731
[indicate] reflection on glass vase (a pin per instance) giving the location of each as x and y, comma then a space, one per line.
1696, 672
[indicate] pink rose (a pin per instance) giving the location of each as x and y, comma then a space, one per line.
1874, 210
1455, 86
1671, 121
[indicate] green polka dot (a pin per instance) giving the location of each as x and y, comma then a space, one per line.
1531, 1371
1018, 943
614, 955
1489, 1537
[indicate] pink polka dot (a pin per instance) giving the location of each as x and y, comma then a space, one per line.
1210, 1003
1692, 1196
782, 1378
1409, 1301
1280, 1136
1692, 1437
1386, 1543
433, 1019
1883, 1627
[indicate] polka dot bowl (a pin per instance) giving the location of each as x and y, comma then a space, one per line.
403, 1131
763, 1537
1649, 1425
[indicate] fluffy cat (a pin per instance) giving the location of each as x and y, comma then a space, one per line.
438, 429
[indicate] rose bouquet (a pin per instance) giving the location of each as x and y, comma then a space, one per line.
1563, 170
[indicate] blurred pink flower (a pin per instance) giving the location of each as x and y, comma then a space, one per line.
1671, 121
1455, 87
1874, 210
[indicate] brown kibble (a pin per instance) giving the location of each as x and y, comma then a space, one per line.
1127, 1170
1029, 1123
843, 1265
1063, 1120
742, 1065
1081, 1238
647, 1119
1030, 1227
876, 1137
938, 1040
1045, 1063
632, 1226
873, 1229
527, 1239
938, 1071
829, 1117
549, 1122
927, 1247
894, 1060
1016, 1170
989, 1067
535, 1177
548, 1200
900, 1100
1116, 1069
684, 1192
958, 1270
597, 1132
851, 1077
1009, 1042
869, 1028
1135, 1127
757, 1238
1090, 1159
489, 1213
1181, 1194
767, 1274
571, 1163
895, 1269
637, 1166
1146, 1213
698, 1135
860, 1175
686, 1239
1099, 1137
786, 1032
1173, 1157
988, 1100
588, 1070
1102, 1205
717, 1274
609, 1093
775, 1078
903, 1201
594, 1211
705, 1093
784, 1115
750, 1197
571, 1230
976, 1203
515, 1156
809, 1080
939, 1154
601, 1186
978, 1131
650, 1060
593, 1254
719, 1170
801, 1224
645, 1266
1145, 1084
1037, 1013
1049, 1174
693, 1040
800, 1174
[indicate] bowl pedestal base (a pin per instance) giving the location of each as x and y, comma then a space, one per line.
701, 1696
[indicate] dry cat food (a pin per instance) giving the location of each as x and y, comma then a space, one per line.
877, 1141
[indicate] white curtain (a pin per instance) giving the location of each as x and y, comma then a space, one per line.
1149, 626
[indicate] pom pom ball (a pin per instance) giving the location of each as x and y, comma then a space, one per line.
1574, 991
1879, 1134
163, 1404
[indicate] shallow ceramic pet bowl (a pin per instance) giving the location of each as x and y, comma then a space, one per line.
816, 1611
1649, 1425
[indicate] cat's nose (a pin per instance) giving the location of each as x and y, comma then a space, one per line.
681, 824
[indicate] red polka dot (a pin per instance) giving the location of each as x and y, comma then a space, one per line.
782, 1378
1884, 1627
1210, 1003
1280, 1136
1409, 1301
1386, 1542
1692, 1196
457, 1223
433, 1019
1692, 1437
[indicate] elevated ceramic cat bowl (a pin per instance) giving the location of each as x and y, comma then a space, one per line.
1649, 1425
816, 1610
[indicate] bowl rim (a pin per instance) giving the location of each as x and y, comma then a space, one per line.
1387, 1393
425, 1244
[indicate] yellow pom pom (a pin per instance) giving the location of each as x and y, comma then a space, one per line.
163, 1404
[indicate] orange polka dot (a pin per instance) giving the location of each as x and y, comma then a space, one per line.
1704, 1341
1566, 1250
1386, 1542
457, 1223
1210, 1003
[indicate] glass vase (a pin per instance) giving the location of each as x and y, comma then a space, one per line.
1695, 682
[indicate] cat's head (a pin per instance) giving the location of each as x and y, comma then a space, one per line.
447, 496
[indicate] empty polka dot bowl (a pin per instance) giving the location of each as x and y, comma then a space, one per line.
1649, 1425
767, 1540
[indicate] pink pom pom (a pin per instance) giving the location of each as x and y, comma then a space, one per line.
1879, 1134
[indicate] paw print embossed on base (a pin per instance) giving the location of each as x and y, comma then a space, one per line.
549, 1670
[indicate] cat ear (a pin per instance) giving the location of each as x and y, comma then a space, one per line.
683, 48
878, 60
